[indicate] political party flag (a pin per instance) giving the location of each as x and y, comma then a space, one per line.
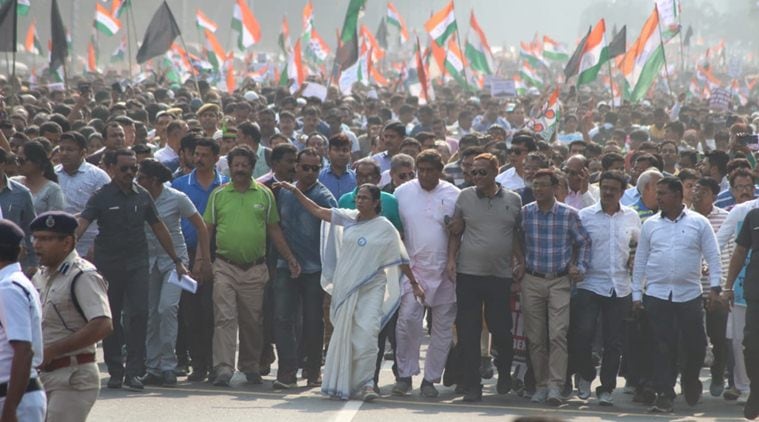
105, 22
618, 45
594, 54
214, 50
32, 42
204, 23
643, 60
120, 53
477, 50
59, 47
573, 65
8, 23
442, 24
160, 34
553, 50
394, 18
246, 24
347, 52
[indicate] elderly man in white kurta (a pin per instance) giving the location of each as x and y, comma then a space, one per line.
424, 204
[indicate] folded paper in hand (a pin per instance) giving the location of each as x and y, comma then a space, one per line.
185, 282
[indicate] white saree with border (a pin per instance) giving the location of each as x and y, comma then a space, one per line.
360, 270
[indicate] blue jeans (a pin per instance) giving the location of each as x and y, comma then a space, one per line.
586, 306
163, 307
290, 294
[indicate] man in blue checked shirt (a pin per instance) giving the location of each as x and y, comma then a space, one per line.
557, 252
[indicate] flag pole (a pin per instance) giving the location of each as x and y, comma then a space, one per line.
461, 50
680, 36
663, 50
192, 68
611, 81
130, 30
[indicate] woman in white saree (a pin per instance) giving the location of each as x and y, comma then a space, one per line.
362, 254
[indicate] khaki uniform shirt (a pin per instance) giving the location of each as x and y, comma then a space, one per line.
60, 318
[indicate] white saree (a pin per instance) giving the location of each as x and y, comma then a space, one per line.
360, 270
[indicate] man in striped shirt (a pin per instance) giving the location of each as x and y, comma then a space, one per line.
557, 251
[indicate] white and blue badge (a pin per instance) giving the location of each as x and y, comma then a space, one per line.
361, 241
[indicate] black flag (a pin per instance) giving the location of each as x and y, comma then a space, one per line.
8, 26
382, 34
618, 45
160, 34
60, 49
573, 66
688, 34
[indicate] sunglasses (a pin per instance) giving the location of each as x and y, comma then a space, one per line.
306, 167
480, 172
406, 176
125, 169
516, 151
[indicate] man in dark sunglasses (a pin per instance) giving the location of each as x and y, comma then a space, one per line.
522, 143
401, 171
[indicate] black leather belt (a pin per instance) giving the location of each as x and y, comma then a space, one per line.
33, 385
244, 267
547, 276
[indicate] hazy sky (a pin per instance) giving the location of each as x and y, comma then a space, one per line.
504, 21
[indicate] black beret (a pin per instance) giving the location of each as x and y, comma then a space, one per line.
10, 233
55, 221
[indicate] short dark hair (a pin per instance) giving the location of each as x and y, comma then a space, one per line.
608, 159
250, 129
339, 141
209, 143
672, 183
242, 151
76, 138
539, 157
10, 253
311, 152
614, 175
709, 183
687, 174
720, 159
431, 156
369, 162
413, 142
525, 137
173, 125
279, 151
691, 156
547, 173
188, 142
740, 172
153, 168
51, 127
472, 152
112, 157
396, 127
112, 123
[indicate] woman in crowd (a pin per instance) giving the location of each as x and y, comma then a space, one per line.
365, 295
36, 173
163, 297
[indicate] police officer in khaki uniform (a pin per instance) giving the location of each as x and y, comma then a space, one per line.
75, 316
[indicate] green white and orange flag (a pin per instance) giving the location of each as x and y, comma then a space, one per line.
214, 50
120, 53
530, 75
204, 23
545, 123
477, 49
308, 18
22, 7
32, 42
377, 52
119, 6
554, 50
246, 24
318, 49
455, 63
92, 55
394, 18
594, 54
296, 70
105, 22
442, 24
643, 60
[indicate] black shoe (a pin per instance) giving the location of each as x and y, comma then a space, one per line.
644, 396
182, 370
751, 409
115, 381
504, 383
473, 394
134, 384
265, 370
692, 391
254, 378
460, 389
663, 404
152, 379
198, 374
449, 378
486, 368
169, 379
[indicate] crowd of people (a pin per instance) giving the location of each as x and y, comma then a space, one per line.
320, 232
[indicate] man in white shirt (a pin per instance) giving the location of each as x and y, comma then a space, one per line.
424, 204
606, 289
169, 154
581, 193
522, 144
672, 245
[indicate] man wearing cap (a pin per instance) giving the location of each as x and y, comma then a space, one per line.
208, 115
21, 395
75, 315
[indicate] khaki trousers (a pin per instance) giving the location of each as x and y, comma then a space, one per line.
238, 301
71, 392
545, 309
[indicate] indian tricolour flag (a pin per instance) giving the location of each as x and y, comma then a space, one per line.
215, 51
244, 22
442, 24
105, 22
530, 76
22, 7
318, 49
120, 53
554, 50
477, 49
594, 54
454, 63
32, 42
394, 18
643, 60
204, 22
